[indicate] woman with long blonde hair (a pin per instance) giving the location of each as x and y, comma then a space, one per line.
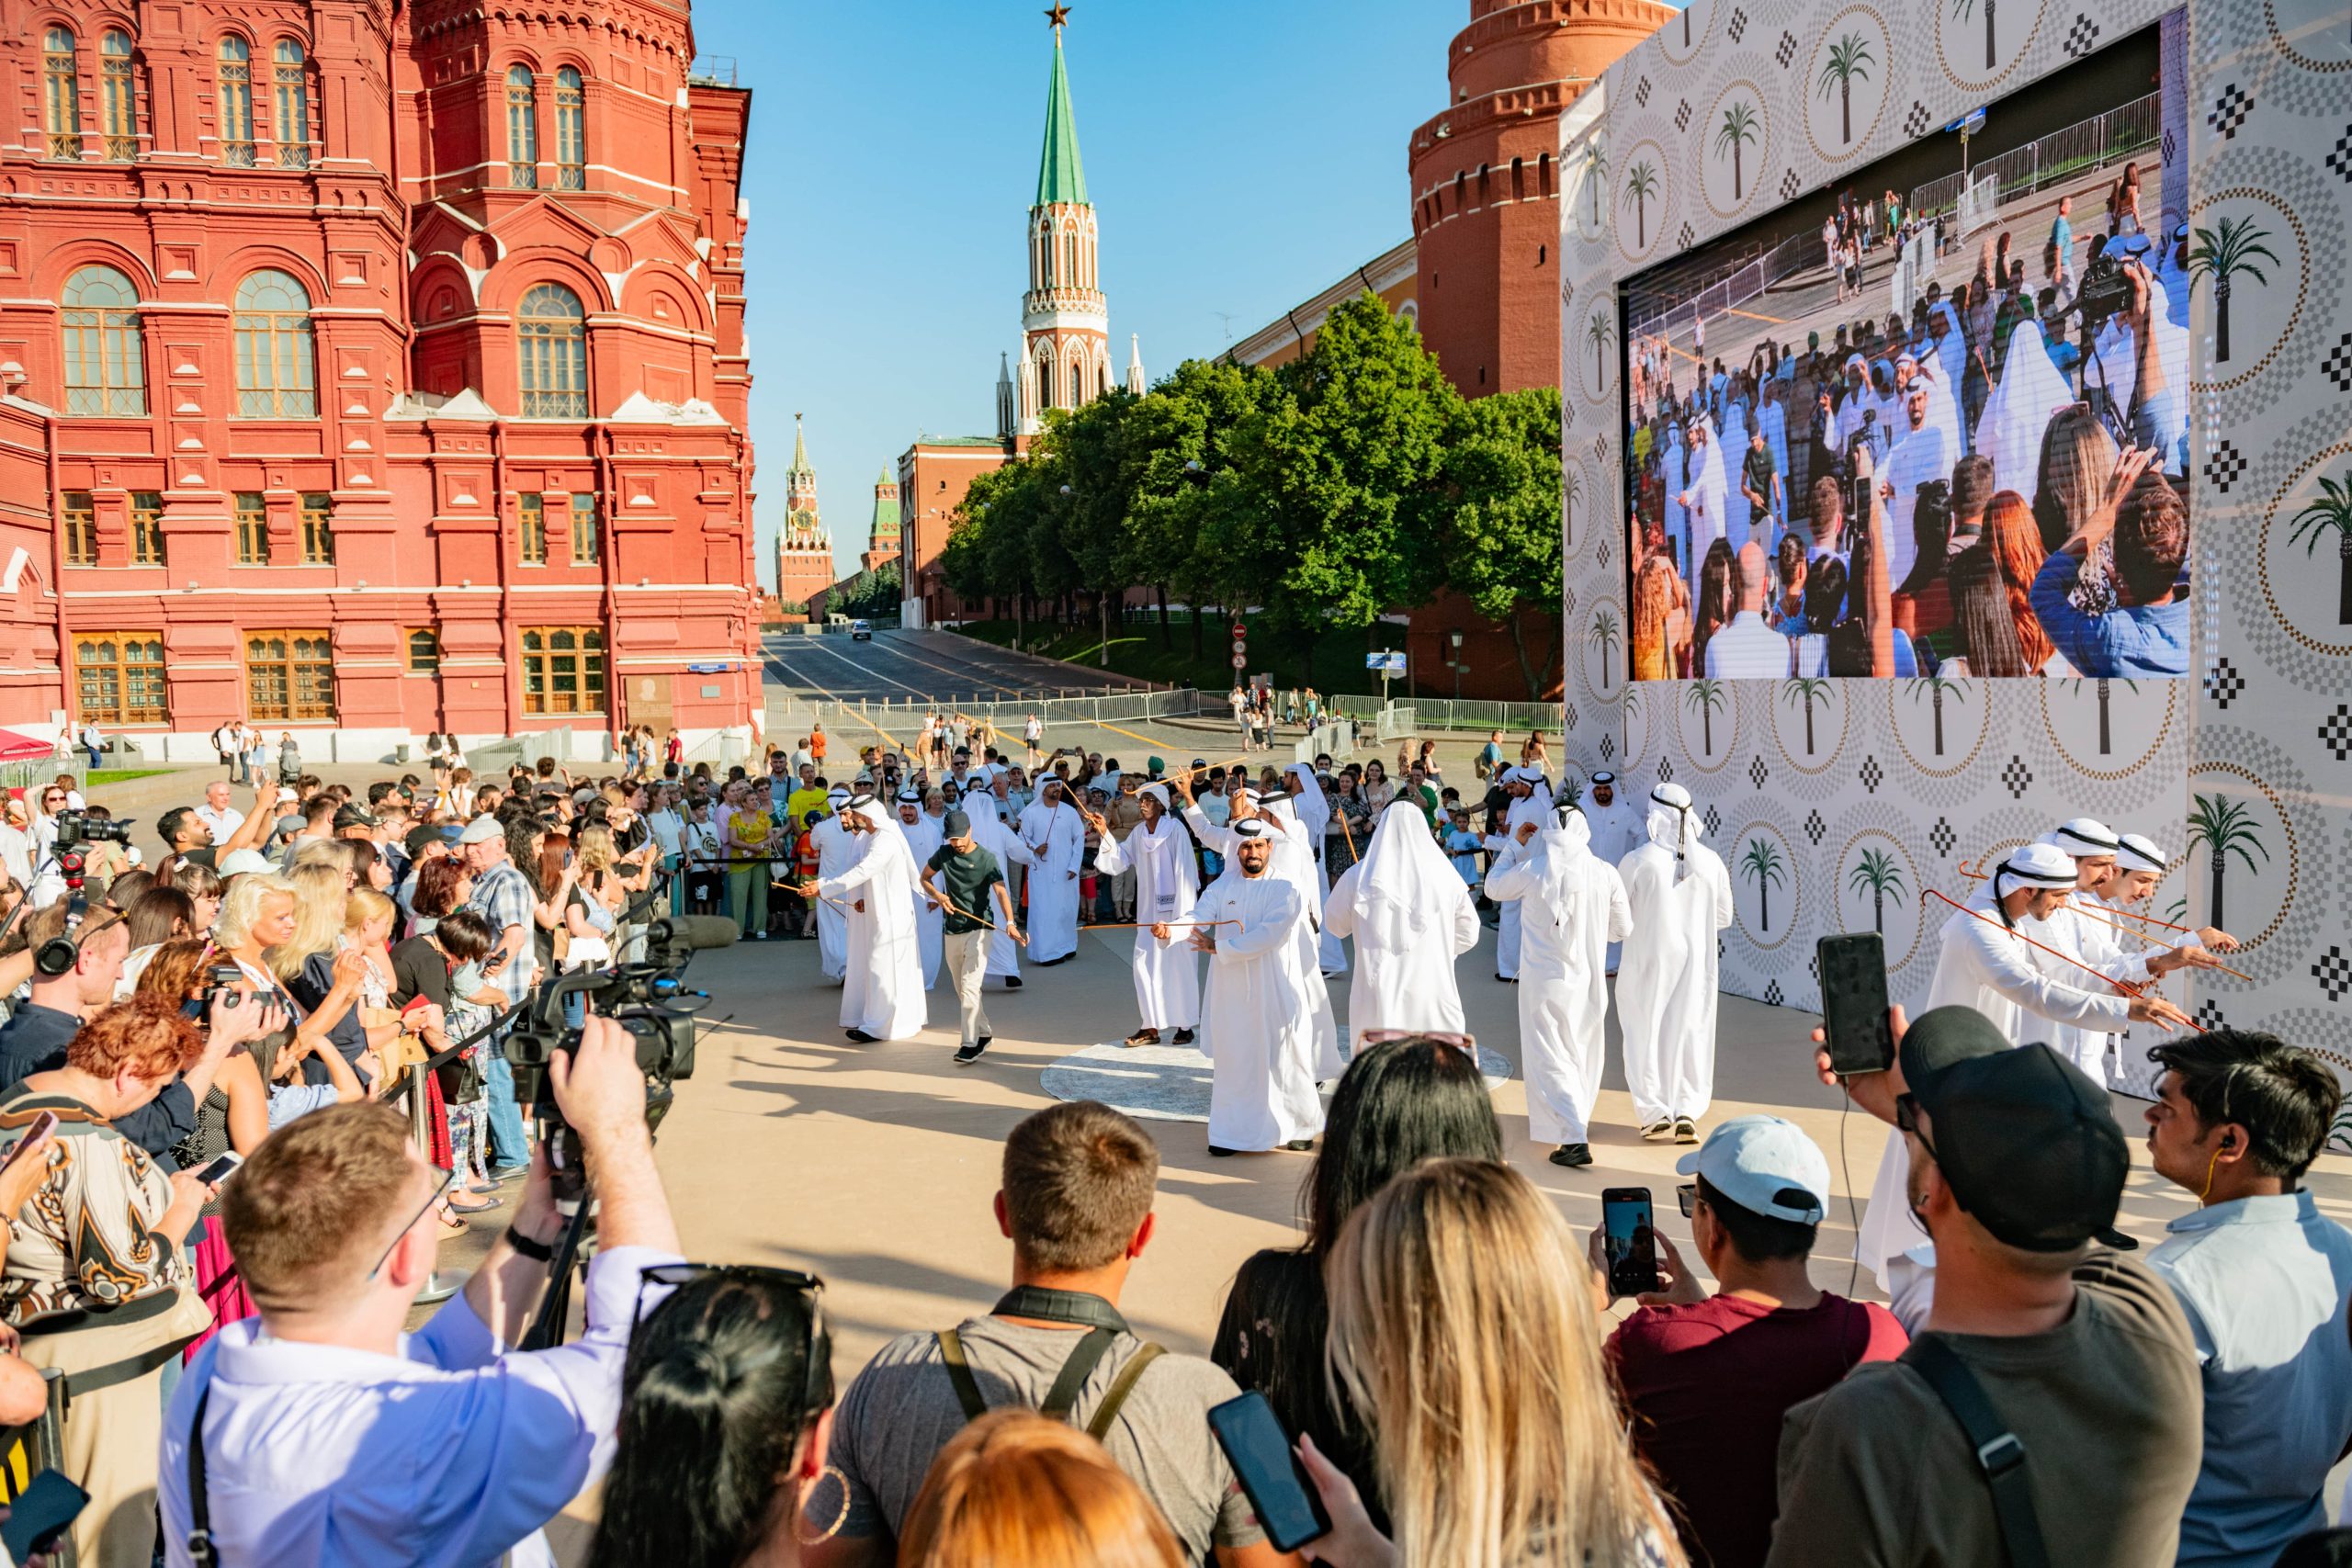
1019, 1490
1460, 1330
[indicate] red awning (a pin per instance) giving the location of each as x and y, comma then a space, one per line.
15, 748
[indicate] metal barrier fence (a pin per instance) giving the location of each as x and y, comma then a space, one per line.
1453, 713
2127, 128
902, 717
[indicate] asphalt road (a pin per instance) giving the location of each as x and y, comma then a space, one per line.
935, 666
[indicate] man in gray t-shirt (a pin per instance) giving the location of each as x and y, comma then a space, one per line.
1076, 1200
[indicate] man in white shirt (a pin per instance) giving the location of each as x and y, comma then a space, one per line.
296, 1410
668, 826
1746, 646
216, 813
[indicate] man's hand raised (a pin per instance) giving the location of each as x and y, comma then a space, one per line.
1874, 1093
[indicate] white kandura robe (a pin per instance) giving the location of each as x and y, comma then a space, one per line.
923, 839
1411, 917
1056, 835
1532, 811
1616, 833
1314, 814
1576, 906
837, 852
1168, 974
1979, 964
1919, 457
2071, 931
1254, 1023
882, 991
1709, 504
1292, 863
994, 836
1667, 985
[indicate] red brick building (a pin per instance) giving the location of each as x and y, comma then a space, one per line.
1486, 188
371, 370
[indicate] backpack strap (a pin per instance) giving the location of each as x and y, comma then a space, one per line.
1121, 1386
1075, 1371
959, 1372
2000, 1454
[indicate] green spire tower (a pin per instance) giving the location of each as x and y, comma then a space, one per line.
1064, 321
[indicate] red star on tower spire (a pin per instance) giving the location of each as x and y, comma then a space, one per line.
1057, 17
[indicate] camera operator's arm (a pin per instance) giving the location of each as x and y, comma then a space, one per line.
255, 830
1878, 587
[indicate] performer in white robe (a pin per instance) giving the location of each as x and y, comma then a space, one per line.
1254, 1023
996, 836
2029, 392
1314, 814
1984, 961
836, 852
1289, 860
1707, 495
882, 997
1168, 975
1411, 918
1680, 896
1923, 453
1617, 831
2140, 868
1530, 804
1576, 906
923, 837
1056, 836
2085, 929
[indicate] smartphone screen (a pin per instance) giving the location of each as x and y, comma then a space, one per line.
1628, 1240
1268, 1472
39, 1514
43, 1125
1853, 1003
220, 1168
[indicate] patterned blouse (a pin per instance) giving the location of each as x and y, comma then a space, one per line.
85, 1238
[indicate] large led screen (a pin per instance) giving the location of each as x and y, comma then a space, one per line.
1931, 419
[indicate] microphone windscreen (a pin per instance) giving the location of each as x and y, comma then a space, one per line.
698, 930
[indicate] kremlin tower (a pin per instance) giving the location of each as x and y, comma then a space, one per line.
882, 536
1064, 321
804, 553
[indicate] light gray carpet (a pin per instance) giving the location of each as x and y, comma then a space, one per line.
1165, 1083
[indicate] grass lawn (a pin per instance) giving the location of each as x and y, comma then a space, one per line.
1332, 662
123, 775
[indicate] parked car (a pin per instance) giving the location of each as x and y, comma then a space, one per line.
861, 631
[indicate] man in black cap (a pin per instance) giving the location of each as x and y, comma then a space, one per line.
2054, 1391
960, 879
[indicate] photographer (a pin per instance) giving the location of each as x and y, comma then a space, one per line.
325, 1434
2146, 634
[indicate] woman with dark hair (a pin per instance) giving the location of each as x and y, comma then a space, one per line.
1922, 604
726, 1409
1401, 1101
1988, 635
1715, 607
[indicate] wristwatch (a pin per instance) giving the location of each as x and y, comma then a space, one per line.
536, 1251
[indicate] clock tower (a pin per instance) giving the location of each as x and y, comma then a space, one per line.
804, 553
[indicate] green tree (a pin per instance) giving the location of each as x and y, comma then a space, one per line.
1761, 865
1708, 697
2220, 254
1850, 60
1739, 128
1808, 690
1934, 687
1878, 874
1179, 461
1500, 484
2333, 509
1641, 184
2223, 828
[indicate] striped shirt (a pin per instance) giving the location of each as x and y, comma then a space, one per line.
502, 898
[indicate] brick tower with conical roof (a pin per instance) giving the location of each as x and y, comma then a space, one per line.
882, 537
804, 551
1064, 321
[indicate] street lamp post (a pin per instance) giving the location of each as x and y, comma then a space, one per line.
1454, 636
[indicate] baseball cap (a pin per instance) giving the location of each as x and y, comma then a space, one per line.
956, 824
2028, 1146
1765, 1164
481, 830
242, 862
418, 838
356, 817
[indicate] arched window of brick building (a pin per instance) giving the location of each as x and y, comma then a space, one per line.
105, 370
1070, 256
291, 77
522, 127
118, 97
274, 376
1077, 379
61, 93
236, 69
551, 334
571, 130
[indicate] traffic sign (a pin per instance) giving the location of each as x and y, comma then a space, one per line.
1240, 630
1239, 645
1242, 661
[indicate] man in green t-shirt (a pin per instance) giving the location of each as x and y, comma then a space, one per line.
1759, 481
961, 878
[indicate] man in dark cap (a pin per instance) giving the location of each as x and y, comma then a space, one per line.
2049, 1409
961, 879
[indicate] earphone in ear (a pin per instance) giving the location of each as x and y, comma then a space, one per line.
2228, 1140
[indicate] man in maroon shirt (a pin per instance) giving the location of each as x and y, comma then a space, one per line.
1706, 1379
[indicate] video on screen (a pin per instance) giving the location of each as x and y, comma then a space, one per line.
1932, 419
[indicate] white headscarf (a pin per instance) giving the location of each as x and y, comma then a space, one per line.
1951, 353
1673, 826
1405, 878
1567, 840
2030, 392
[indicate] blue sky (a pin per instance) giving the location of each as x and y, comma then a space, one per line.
1242, 156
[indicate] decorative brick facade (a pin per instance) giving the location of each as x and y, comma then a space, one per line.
371, 372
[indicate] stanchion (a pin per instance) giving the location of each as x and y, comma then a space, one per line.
442, 1284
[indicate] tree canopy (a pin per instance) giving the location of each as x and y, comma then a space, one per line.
1351, 482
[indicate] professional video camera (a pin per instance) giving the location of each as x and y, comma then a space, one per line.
78, 827
2104, 292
